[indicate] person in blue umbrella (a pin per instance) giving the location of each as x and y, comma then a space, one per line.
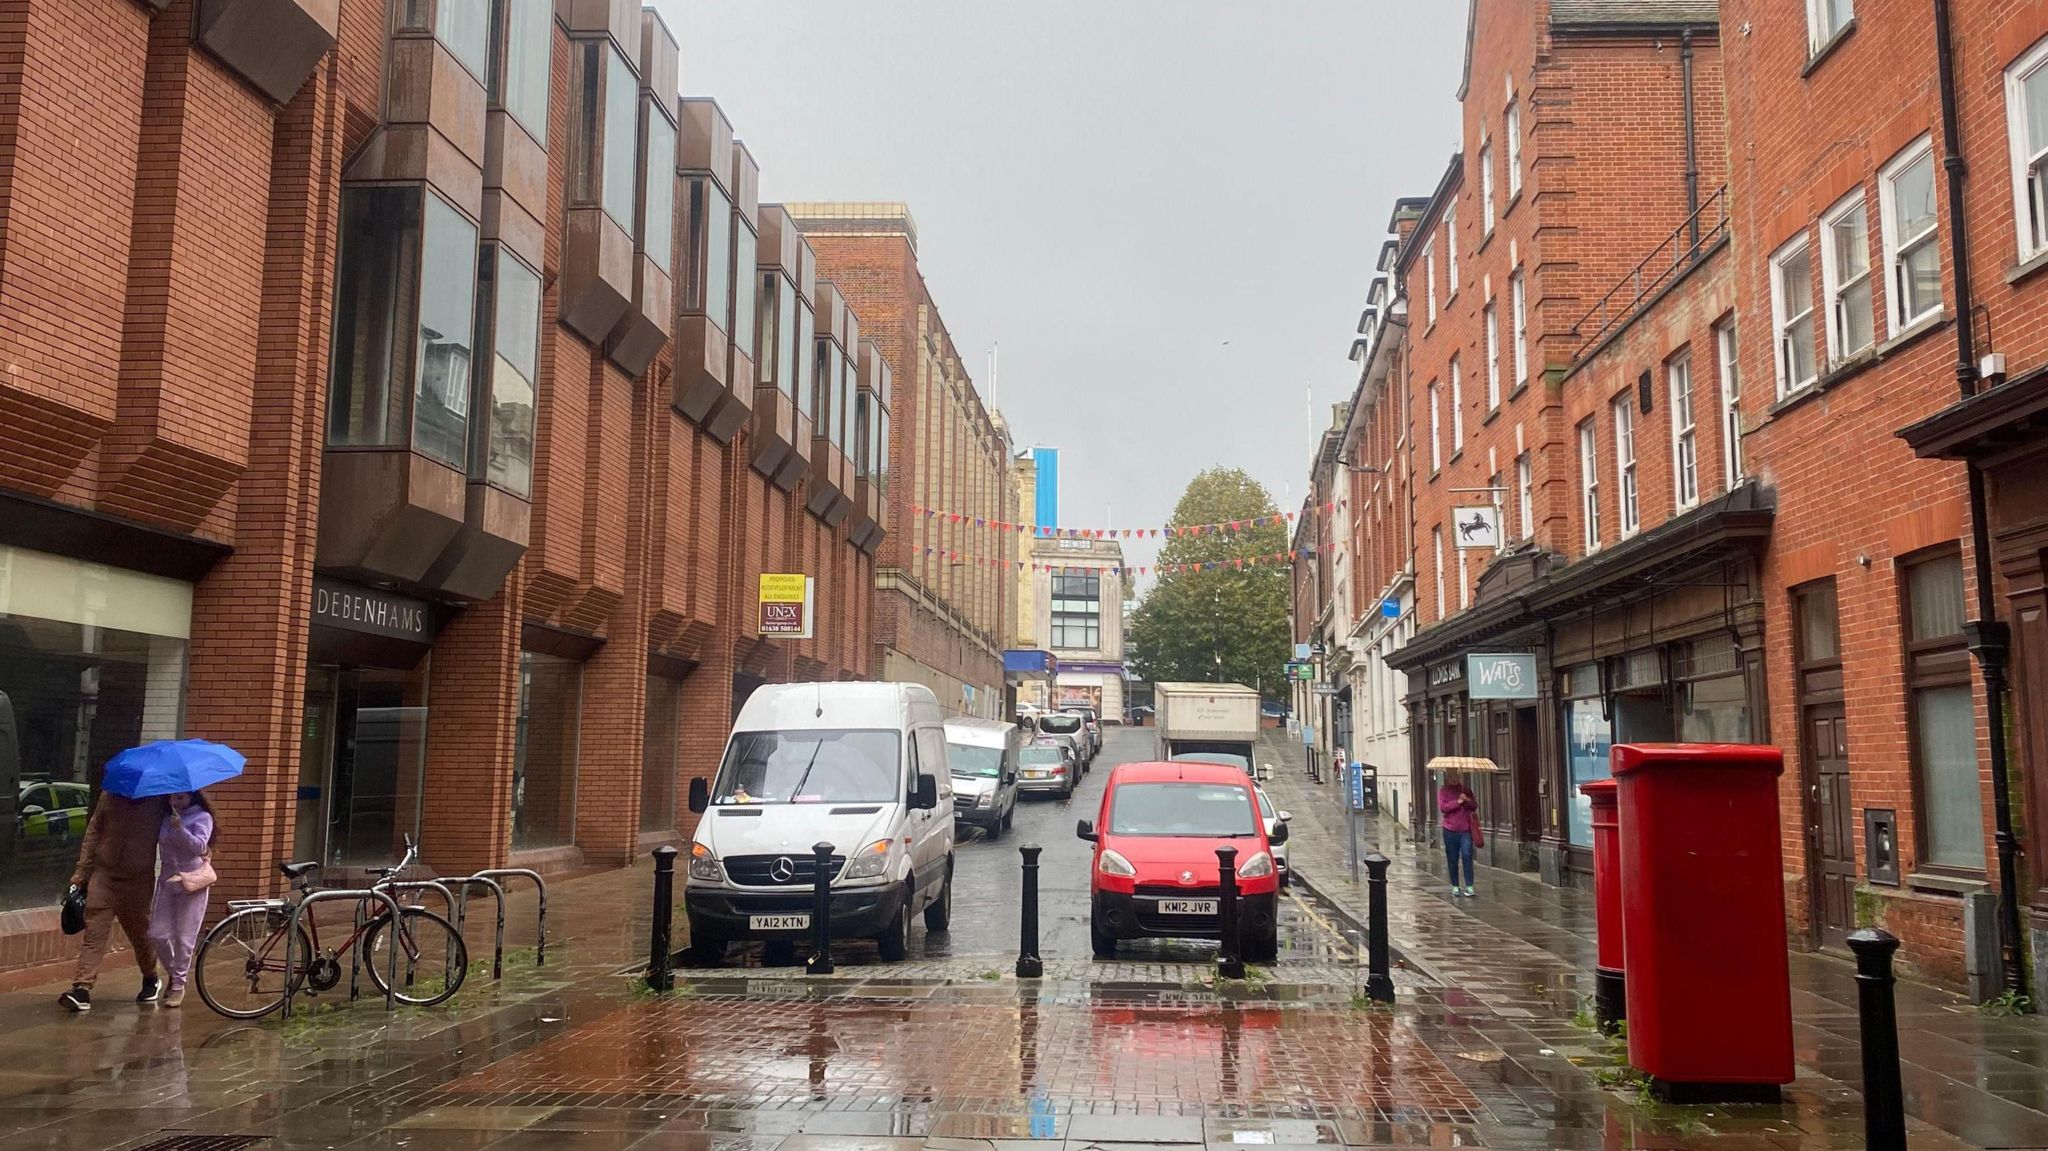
186, 845
117, 869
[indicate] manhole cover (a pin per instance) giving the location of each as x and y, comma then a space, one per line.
203, 1143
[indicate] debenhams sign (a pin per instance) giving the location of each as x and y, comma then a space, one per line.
364, 609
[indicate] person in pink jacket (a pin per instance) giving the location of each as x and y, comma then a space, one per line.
185, 844
1459, 806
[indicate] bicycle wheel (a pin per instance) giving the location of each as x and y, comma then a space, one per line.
239, 970
432, 958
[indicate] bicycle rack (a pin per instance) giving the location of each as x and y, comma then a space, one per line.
465, 882
540, 947
291, 938
447, 903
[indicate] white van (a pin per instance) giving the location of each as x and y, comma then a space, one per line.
861, 766
984, 759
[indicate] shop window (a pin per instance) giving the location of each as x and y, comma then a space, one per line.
511, 293
658, 192
1943, 714
404, 310
1713, 695
365, 750
521, 58
1589, 735
92, 661
661, 748
544, 752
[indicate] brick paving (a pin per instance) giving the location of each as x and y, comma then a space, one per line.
1523, 952
951, 1052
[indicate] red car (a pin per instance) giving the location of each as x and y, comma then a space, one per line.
1155, 873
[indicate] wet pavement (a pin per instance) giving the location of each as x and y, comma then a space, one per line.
949, 1051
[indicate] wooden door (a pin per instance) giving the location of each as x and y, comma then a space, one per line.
1831, 833
1528, 767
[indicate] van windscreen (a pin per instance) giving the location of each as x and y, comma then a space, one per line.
970, 760
824, 765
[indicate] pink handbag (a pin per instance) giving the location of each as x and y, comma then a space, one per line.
196, 880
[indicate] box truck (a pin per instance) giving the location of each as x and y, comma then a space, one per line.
1215, 722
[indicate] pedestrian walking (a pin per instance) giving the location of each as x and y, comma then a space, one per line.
1460, 808
186, 845
116, 867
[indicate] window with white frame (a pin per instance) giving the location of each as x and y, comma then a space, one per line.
1731, 403
1486, 188
1912, 257
1792, 314
1511, 130
1825, 19
2026, 118
1525, 496
1457, 407
1492, 356
1625, 465
1437, 537
1498, 497
1521, 320
1464, 580
1436, 424
1845, 278
1589, 482
1685, 442
1429, 277
1451, 247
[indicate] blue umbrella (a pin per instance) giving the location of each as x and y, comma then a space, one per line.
169, 766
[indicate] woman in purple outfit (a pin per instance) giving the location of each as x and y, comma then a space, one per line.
185, 843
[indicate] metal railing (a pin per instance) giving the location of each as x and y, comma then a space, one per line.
1677, 252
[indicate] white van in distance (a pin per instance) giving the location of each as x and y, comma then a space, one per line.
984, 755
861, 766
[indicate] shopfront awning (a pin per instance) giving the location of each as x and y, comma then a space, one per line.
1985, 426
1738, 523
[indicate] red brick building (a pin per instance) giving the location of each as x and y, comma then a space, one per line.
944, 589
409, 396
1729, 433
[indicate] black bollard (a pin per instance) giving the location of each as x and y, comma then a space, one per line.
661, 974
1230, 956
821, 910
1884, 1099
1029, 966
1379, 980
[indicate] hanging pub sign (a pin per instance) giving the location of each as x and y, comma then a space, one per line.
1500, 675
787, 605
1477, 528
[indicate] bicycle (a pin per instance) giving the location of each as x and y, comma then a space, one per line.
240, 967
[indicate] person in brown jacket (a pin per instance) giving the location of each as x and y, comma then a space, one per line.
117, 868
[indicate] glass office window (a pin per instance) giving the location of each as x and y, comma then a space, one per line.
440, 414
657, 233
515, 364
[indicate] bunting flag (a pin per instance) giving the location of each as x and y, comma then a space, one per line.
1237, 563
1043, 531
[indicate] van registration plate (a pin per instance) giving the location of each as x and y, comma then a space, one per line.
1187, 907
778, 922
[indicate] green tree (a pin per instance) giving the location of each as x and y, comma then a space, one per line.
1221, 617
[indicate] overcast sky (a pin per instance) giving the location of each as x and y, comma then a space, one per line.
1164, 211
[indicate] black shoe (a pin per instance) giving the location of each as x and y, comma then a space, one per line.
76, 999
150, 986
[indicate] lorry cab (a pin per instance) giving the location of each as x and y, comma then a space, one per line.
984, 755
860, 766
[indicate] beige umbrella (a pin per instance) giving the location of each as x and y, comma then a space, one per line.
1468, 764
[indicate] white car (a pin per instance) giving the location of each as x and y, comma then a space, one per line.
1273, 818
862, 766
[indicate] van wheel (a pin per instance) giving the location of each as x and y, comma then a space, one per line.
938, 914
895, 942
1010, 816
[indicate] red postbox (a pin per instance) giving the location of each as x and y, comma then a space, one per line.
1703, 919
1610, 1004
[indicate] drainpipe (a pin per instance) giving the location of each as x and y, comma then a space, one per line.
1692, 158
1989, 637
